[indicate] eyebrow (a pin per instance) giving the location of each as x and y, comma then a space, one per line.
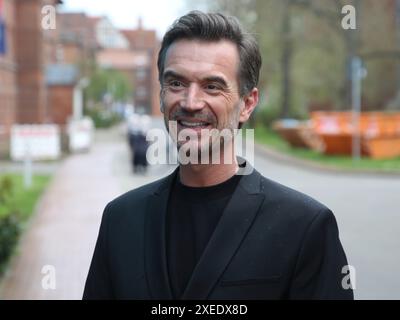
217, 79
172, 74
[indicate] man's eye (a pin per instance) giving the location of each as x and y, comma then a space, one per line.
175, 83
212, 87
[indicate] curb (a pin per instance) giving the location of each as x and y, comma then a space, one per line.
312, 165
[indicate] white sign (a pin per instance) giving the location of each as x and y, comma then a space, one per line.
80, 134
35, 141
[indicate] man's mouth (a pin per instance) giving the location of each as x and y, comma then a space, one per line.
195, 124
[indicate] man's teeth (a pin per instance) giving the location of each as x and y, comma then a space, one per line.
193, 124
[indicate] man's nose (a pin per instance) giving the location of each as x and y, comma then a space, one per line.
193, 99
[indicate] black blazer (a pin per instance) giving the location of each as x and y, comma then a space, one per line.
271, 242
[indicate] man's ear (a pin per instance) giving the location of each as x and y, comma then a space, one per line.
250, 101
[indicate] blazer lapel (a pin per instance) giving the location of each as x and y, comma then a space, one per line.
229, 233
155, 241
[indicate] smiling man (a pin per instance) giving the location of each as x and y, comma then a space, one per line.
208, 231
201, 97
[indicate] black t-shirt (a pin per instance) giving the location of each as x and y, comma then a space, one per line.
192, 215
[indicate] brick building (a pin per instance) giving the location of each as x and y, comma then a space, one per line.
78, 40
22, 83
73, 42
63, 91
144, 42
132, 52
8, 72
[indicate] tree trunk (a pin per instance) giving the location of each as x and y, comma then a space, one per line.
286, 61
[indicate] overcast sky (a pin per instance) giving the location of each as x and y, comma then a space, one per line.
156, 14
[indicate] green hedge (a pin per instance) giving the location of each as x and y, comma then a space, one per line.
16, 206
10, 225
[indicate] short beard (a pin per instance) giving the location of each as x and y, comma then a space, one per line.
206, 150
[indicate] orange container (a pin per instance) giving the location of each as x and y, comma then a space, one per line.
379, 131
383, 147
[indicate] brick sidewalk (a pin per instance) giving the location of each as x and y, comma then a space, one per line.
64, 229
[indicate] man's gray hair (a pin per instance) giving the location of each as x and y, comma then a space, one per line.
197, 25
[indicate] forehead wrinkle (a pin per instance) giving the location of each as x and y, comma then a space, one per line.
195, 64
194, 57
200, 77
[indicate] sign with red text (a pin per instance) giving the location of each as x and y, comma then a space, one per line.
35, 141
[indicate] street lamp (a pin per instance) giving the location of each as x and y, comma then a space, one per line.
358, 72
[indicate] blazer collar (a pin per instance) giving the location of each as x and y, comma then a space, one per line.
231, 229
155, 240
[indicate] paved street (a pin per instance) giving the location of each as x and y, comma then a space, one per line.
63, 232
367, 209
